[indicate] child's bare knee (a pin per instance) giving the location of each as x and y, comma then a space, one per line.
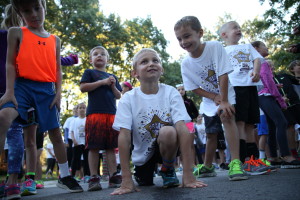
6, 117
55, 136
167, 133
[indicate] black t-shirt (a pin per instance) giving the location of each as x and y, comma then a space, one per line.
101, 100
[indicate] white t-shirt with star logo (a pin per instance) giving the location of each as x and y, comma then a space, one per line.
145, 114
241, 57
203, 72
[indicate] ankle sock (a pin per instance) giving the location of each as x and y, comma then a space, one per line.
63, 169
262, 154
30, 175
167, 165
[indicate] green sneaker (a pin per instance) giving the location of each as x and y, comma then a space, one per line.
203, 171
235, 171
265, 161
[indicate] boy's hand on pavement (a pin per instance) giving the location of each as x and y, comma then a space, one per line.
191, 182
126, 187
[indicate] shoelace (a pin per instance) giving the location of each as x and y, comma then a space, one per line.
261, 162
234, 166
252, 161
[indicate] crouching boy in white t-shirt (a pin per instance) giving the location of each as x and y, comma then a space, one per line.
155, 114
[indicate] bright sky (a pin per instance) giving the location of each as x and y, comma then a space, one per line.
165, 13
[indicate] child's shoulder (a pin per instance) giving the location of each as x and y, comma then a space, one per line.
17, 31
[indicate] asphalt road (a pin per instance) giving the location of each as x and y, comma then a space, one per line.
283, 184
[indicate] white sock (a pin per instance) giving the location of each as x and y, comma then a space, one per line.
262, 154
63, 170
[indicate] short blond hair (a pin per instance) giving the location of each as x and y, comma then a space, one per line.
144, 50
224, 27
99, 47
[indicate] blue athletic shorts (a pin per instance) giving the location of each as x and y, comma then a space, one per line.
263, 126
38, 95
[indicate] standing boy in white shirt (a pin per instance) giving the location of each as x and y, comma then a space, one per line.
245, 78
205, 71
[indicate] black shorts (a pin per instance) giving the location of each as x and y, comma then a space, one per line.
213, 125
144, 174
246, 107
292, 114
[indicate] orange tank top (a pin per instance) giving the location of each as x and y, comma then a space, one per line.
36, 59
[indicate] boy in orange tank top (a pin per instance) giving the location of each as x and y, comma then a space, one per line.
41, 89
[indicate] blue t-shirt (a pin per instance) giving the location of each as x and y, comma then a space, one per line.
101, 100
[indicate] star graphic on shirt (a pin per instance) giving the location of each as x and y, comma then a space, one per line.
242, 57
211, 78
154, 125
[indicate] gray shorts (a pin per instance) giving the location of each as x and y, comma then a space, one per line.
213, 125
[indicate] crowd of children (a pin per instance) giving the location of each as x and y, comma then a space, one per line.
150, 124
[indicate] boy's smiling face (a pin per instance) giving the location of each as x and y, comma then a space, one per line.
148, 67
232, 33
189, 39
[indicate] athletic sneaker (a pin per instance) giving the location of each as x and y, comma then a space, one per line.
115, 180
203, 171
104, 178
13, 191
267, 163
276, 164
235, 171
77, 179
94, 183
252, 167
169, 178
224, 166
39, 184
69, 183
86, 179
290, 165
28, 187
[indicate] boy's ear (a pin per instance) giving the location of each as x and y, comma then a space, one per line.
133, 74
223, 35
201, 32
